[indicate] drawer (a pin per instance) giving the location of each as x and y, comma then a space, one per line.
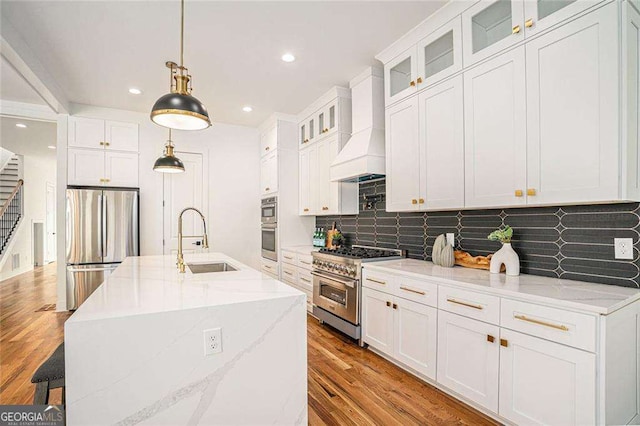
289, 257
290, 274
270, 268
470, 304
305, 261
557, 325
305, 279
416, 290
378, 281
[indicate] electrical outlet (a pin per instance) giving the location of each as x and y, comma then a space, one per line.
212, 341
623, 248
451, 239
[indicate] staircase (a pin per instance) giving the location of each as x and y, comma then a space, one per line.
11, 206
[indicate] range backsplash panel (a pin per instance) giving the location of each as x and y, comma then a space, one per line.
569, 242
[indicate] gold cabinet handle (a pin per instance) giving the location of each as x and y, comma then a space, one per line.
287, 272
519, 193
412, 83
490, 338
107, 180
102, 143
267, 188
419, 80
412, 290
306, 210
516, 29
395, 306
306, 263
376, 281
287, 257
544, 323
107, 143
421, 201
469, 305
266, 148
414, 201
306, 280
529, 23
325, 208
531, 192
504, 342
266, 266
388, 303
101, 180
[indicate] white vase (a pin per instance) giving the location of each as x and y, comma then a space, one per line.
508, 257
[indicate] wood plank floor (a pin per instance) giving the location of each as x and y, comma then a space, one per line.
348, 385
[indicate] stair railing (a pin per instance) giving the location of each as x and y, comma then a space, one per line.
10, 214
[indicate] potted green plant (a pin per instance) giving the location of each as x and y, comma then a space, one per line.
337, 240
506, 255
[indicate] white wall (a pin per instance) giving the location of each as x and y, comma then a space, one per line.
38, 170
233, 217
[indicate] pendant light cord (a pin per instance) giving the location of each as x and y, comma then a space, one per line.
181, 33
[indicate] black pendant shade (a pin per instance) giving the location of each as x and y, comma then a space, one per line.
168, 163
180, 111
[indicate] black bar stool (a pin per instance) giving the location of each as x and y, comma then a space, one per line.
50, 375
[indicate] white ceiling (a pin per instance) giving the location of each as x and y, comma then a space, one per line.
14, 88
32, 141
96, 50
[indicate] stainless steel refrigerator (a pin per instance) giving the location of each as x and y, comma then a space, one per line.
102, 229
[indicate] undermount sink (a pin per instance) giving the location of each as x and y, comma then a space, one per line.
203, 268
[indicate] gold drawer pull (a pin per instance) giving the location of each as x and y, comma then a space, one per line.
412, 290
529, 23
287, 272
490, 338
325, 208
306, 263
504, 342
421, 201
519, 193
531, 192
470, 305
266, 266
304, 279
267, 188
376, 281
546, 324
287, 257
412, 83
419, 80
107, 144
266, 148
306, 210
516, 29
414, 201
102, 143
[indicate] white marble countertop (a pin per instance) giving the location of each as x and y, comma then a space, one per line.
301, 249
152, 284
577, 295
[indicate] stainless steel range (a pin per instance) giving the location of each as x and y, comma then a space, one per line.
337, 284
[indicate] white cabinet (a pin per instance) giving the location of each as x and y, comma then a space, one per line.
542, 382
495, 132
377, 320
121, 169
400, 76
269, 173
318, 195
269, 140
468, 358
103, 134
572, 111
85, 167
489, 27
540, 15
402, 134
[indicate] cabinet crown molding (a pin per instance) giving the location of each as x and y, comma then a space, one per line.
331, 94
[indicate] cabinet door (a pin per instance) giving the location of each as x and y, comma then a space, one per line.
86, 167
121, 136
468, 358
440, 53
328, 118
546, 383
308, 180
403, 155
269, 173
400, 77
328, 192
121, 169
86, 132
415, 336
442, 145
489, 27
542, 14
377, 320
303, 133
572, 111
495, 132
268, 140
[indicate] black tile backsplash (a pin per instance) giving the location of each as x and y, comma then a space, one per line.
569, 242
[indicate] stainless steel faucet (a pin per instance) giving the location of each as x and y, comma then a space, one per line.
205, 239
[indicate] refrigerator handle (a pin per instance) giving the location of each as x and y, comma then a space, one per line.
105, 223
100, 226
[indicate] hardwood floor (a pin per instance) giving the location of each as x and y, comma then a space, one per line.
348, 385
27, 336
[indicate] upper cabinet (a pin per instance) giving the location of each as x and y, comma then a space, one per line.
435, 57
103, 134
540, 15
269, 140
269, 173
330, 114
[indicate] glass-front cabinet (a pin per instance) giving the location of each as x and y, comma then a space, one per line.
440, 54
400, 76
489, 27
308, 130
328, 118
542, 14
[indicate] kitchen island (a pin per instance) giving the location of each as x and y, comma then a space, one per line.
135, 350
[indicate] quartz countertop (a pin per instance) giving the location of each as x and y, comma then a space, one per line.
152, 284
578, 295
301, 249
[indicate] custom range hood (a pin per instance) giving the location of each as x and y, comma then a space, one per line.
362, 158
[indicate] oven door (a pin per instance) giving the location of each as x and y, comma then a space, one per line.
269, 242
268, 213
336, 295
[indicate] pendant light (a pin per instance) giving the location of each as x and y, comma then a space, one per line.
179, 109
168, 163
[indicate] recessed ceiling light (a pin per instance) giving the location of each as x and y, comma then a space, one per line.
247, 108
51, 147
21, 125
288, 57
135, 91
